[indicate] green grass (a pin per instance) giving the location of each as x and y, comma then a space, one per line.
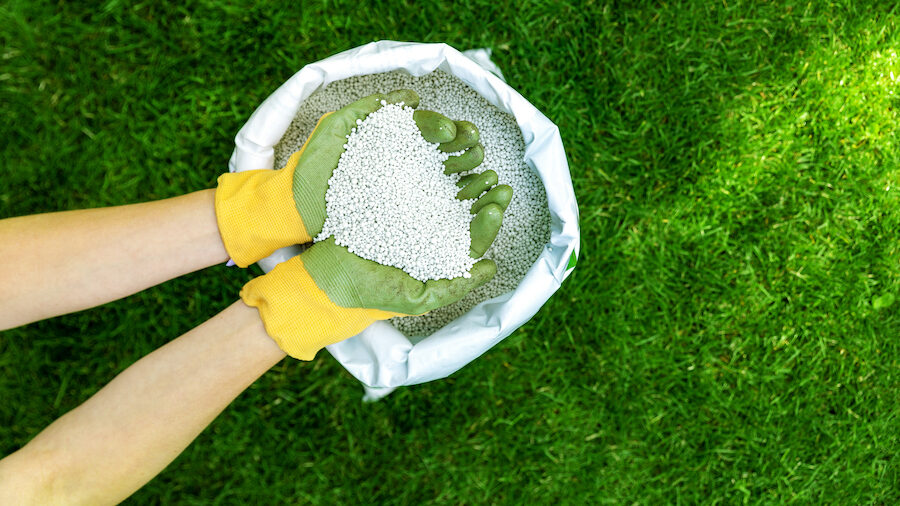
725, 339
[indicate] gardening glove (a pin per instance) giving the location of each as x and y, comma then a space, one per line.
327, 294
260, 211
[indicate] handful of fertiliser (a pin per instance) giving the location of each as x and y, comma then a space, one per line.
525, 227
395, 197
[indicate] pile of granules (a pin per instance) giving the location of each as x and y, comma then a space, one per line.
389, 200
526, 222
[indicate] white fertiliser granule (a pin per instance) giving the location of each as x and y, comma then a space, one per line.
526, 222
389, 200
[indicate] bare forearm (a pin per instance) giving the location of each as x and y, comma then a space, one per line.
124, 435
63, 262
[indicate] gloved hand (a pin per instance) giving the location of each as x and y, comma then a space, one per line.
328, 294
260, 211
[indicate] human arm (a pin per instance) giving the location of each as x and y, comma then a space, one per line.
58, 263
129, 431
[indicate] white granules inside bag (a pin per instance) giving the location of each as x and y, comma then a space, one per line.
389, 200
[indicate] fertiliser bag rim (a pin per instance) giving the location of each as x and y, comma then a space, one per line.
381, 357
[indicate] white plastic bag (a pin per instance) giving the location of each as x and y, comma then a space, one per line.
381, 357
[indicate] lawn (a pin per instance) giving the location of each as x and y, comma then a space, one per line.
730, 334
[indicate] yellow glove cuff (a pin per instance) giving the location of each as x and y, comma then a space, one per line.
299, 316
256, 212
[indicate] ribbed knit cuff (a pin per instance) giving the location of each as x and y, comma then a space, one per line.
256, 213
299, 316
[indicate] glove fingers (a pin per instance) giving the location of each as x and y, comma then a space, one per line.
466, 137
435, 127
457, 288
482, 272
408, 98
477, 185
483, 229
339, 123
463, 181
500, 195
441, 292
367, 105
470, 159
